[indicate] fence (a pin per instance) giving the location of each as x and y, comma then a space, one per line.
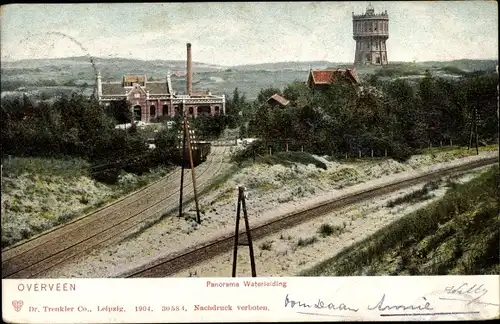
226, 142
273, 147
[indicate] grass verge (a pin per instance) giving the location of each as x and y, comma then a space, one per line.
39, 194
416, 196
458, 235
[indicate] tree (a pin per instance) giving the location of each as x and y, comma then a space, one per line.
121, 111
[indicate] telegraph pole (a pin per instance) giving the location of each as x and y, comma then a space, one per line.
186, 139
183, 158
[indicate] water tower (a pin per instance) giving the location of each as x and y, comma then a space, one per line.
370, 31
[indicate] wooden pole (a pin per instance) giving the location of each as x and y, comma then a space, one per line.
475, 130
386, 152
372, 152
359, 152
302, 148
198, 219
236, 234
247, 228
242, 205
270, 151
470, 132
286, 147
183, 161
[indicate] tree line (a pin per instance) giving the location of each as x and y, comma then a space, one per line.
397, 117
77, 126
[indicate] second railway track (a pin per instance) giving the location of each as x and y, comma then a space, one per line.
175, 263
82, 235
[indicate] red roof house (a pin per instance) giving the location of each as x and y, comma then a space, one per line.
323, 78
276, 99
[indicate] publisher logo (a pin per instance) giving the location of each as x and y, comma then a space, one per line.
18, 304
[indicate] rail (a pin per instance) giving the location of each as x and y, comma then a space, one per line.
175, 263
85, 234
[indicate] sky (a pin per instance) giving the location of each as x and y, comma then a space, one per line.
229, 34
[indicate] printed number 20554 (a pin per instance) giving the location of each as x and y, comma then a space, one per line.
172, 308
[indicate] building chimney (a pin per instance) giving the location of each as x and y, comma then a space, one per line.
99, 85
189, 72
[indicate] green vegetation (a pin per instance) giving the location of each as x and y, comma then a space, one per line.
67, 168
308, 241
416, 196
395, 116
258, 150
328, 230
77, 127
458, 234
399, 69
267, 245
40, 193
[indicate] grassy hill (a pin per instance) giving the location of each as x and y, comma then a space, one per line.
79, 72
456, 235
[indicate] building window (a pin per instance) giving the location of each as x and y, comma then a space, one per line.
217, 110
190, 110
137, 112
137, 95
152, 110
177, 111
378, 60
376, 45
165, 110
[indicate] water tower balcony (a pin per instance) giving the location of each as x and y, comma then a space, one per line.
383, 34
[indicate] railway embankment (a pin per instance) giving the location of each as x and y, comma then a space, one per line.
273, 188
41, 193
455, 235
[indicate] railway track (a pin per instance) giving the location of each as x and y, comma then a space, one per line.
183, 260
104, 226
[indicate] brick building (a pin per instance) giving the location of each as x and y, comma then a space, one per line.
152, 99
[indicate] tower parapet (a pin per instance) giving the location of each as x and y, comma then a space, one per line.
371, 31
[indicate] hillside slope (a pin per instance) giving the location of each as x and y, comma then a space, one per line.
457, 235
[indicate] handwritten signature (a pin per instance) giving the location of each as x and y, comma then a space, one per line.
380, 306
472, 293
319, 305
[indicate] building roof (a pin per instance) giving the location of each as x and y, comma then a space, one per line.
134, 78
200, 93
327, 76
113, 89
157, 87
322, 76
279, 99
117, 89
